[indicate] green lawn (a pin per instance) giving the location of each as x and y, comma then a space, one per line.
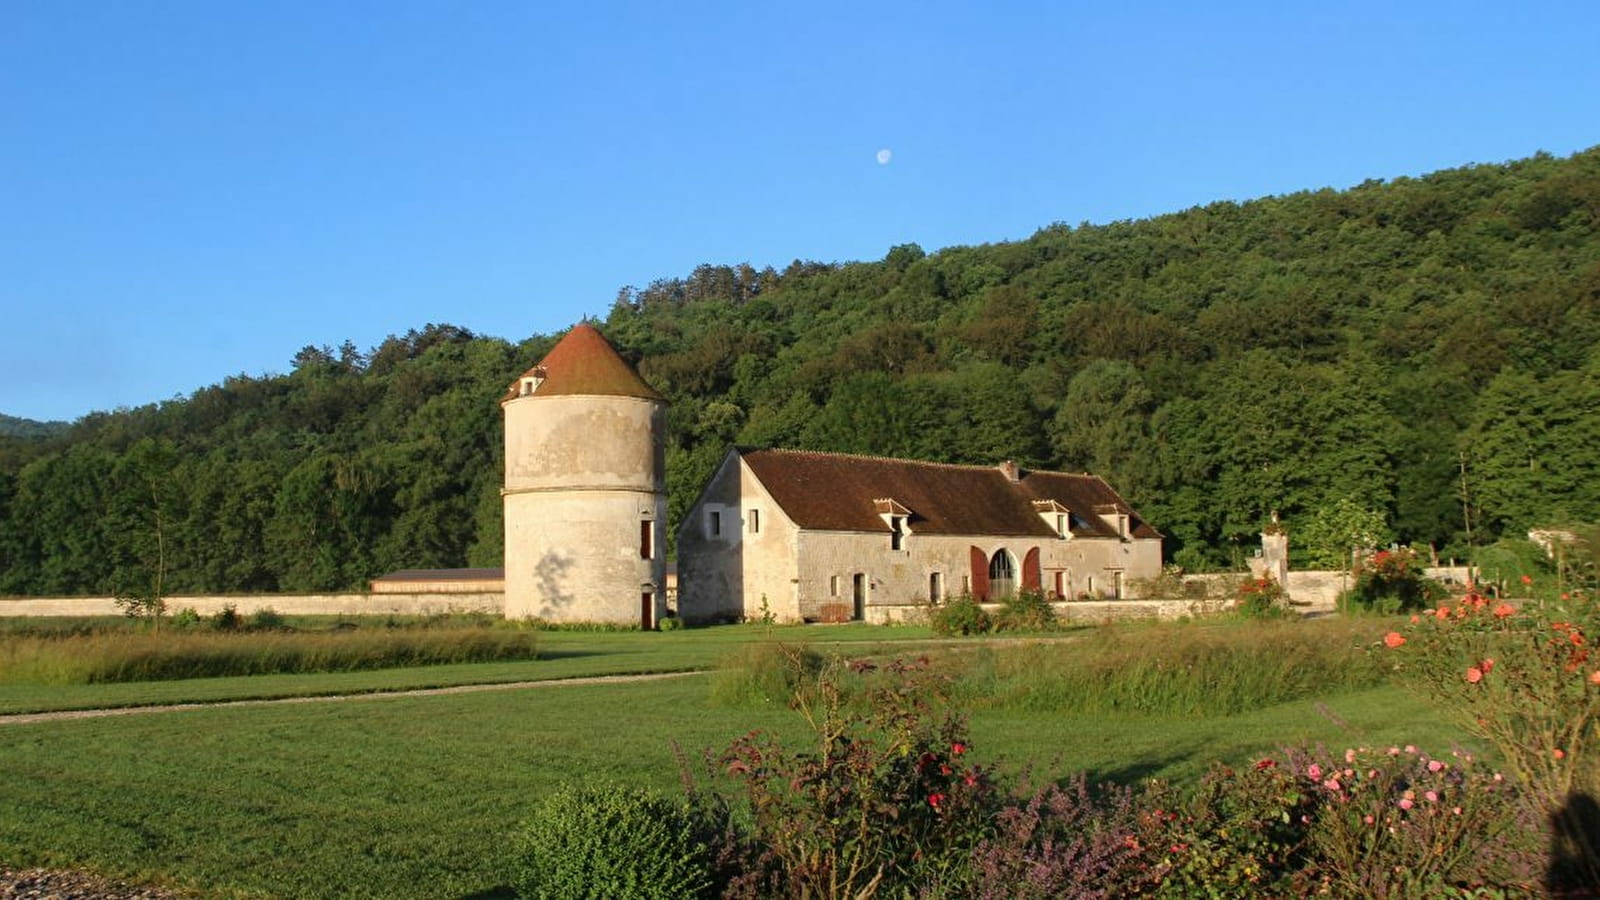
415, 796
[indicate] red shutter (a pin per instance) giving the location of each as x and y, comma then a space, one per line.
980, 574
1030, 571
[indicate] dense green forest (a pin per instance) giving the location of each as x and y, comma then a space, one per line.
11, 426
1423, 354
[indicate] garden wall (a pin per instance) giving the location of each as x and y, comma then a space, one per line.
1088, 612
403, 604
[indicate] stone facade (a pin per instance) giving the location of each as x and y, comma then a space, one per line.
743, 555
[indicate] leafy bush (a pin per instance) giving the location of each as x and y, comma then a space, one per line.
1526, 680
1390, 582
1399, 823
1240, 835
1394, 823
1262, 598
185, 619
670, 623
227, 618
615, 843
1027, 610
1066, 841
961, 615
886, 803
266, 619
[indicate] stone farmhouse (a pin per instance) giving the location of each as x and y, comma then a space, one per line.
797, 536
831, 537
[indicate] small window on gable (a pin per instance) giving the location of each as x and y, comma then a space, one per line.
714, 523
755, 521
897, 532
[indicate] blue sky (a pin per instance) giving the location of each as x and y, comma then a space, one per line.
191, 189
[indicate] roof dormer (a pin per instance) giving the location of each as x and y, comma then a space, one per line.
1057, 517
530, 381
898, 517
1116, 518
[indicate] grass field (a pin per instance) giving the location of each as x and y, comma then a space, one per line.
415, 796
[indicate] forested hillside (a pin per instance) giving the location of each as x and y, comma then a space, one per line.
1423, 351
11, 426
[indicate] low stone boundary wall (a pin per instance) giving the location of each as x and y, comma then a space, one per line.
400, 604
1083, 611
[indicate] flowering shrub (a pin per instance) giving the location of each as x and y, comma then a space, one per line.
1240, 836
1524, 679
1398, 823
1262, 598
1067, 841
1389, 582
886, 801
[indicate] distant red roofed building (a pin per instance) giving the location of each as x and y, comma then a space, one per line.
835, 537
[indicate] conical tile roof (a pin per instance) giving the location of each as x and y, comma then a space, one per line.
584, 362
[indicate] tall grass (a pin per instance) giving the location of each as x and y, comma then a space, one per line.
769, 673
1175, 670
134, 656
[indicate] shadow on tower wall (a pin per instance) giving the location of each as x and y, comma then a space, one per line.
549, 575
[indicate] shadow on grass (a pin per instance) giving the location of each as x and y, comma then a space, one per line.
571, 654
500, 892
1135, 771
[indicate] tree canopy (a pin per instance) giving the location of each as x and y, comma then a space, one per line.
1422, 350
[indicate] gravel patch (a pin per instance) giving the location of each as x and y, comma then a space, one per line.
52, 884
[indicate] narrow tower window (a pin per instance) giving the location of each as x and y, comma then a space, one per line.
647, 542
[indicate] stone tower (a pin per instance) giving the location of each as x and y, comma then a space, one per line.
585, 488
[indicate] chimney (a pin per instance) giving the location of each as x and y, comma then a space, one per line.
1009, 470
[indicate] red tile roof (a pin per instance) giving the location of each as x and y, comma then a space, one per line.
840, 492
583, 362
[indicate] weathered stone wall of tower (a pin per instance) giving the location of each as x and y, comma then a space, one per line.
585, 482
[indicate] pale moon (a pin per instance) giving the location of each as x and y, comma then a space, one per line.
884, 156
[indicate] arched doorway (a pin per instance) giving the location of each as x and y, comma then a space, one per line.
1002, 575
